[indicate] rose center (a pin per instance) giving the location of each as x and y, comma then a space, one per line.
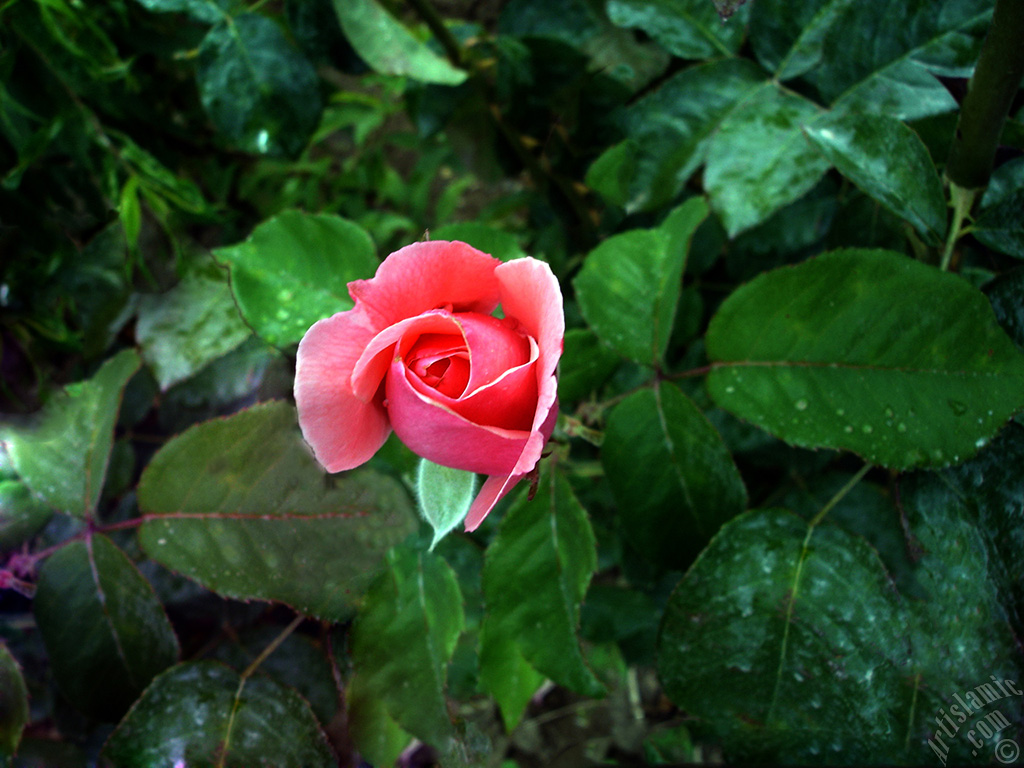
441, 362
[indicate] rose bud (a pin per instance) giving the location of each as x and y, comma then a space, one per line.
421, 353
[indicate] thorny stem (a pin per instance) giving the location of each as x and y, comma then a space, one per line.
995, 82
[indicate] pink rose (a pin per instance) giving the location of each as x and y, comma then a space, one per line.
422, 354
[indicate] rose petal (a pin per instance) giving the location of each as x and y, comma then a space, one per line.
494, 347
433, 431
343, 430
425, 276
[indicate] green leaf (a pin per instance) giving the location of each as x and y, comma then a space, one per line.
787, 640
105, 630
629, 286
63, 457
789, 37
389, 47
584, 366
832, 354
380, 739
22, 515
294, 269
257, 88
189, 326
444, 495
403, 638
13, 703
497, 242
535, 575
889, 162
506, 674
673, 127
203, 713
673, 479
241, 506
610, 175
1000, 225
689, 29
759, 159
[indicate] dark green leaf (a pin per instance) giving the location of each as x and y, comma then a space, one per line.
105, 631
831, 353
1000, 223
759, 159
629, 286
610, 175
444, 496
788, 639
505, 673
689, 29
673, 478
535, 575
188, 327
403, 639
204, 714
789, 37
889, 162
498, 243
257, 88
22, 515
63, 458
379, 737
585, 364
673, 126
241, 506
294, 269
13, 703
389, 47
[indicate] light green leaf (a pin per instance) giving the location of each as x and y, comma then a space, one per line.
192, 324
403, 638
380, 739
257, 88
444, 495
209, 11
867, 351
13, 703
203, 713
105, 630
241, 506
759, 159
629, 286
535, 575
506, 674
22, 515
673, 479
887, 160
294, 269
63, 457
389, 47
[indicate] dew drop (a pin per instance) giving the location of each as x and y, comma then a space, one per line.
889, 413
980, 442
958, 408
901, 427
847, 429
801, 405
729, 390
867, 429
840, 412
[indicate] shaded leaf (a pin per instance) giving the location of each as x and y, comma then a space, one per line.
13, 703
205, 714
403, 639
831, 354
629, 286
789, 37
189, 326
1000, 224
889, 162
22, 515
506, 674
257, 88
389, 47
294, 269
689, 29
673, 479
535, 575
584, 366
63, 457
241, 506
105, 630
380, 739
